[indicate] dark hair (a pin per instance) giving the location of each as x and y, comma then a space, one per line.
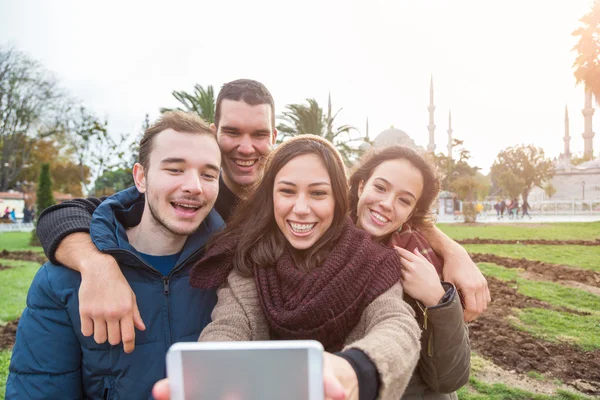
259, 241
248, 91
179, 121
423, 213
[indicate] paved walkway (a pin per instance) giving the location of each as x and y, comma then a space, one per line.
535, 219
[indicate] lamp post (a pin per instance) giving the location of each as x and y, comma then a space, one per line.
582, 190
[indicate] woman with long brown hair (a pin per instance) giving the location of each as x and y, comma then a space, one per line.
292, 265
392, 192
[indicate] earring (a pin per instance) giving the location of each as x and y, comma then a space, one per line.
400, 228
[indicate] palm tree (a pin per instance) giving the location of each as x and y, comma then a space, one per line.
587, 62
298, 119
201, 102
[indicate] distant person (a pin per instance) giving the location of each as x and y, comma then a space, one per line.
525, 209
502, 208
13, 215
514, 208
6, 213
26, 215
497, 208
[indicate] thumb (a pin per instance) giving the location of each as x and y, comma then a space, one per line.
137, 318
333, 388
161, 390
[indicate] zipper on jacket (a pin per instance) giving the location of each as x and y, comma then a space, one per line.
166, 285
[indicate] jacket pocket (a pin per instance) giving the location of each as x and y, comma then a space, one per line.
108, 392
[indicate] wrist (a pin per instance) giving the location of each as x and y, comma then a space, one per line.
434, 298
96, 261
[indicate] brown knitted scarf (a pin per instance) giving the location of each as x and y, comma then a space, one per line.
324, 304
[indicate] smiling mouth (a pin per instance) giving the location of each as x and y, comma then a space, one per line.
245, 163
299, 229
379, 218
186, 208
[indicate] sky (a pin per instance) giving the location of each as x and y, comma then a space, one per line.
504, 68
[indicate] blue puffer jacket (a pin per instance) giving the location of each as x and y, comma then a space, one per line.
53, 360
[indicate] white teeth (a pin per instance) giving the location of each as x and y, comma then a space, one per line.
186, 206
301, 228
245, 163
379, 217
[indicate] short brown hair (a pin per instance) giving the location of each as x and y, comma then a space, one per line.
259, 241
179, 121
246, 90
423, 215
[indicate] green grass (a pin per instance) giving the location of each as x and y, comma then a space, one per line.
582, 331
586, 257
17, 241
557, 231
4, 361
478, 390
14, 283
550, 292
536, 375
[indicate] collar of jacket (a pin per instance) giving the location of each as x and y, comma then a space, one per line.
123, 210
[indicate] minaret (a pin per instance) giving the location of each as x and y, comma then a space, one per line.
567, 138
431, 127
450, 135
588, 134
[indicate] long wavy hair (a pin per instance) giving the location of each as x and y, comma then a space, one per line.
259, 241
423, 214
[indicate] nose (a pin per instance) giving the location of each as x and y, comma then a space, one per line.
386, 202
192, 183
301, 206
245, 146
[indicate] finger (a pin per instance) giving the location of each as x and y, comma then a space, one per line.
470, 303
137, 319
161, 390
87, 326
99, 331
405, 253
128, 334
333, 388
114, 332
488, 296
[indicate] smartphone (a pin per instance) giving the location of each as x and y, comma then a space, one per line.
291, 370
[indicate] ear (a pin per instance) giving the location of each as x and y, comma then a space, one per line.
139, 177
361, 187
274, 136
213, 128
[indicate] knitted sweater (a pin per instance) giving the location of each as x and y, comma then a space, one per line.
387, 331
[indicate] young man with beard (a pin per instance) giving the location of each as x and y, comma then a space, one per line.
155, 231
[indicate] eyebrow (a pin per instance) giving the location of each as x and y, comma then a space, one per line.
312, 184
176, 160
403, 191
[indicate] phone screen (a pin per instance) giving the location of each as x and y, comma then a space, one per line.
246, 374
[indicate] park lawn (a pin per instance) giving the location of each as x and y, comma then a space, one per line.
555, 231
586, 257
14, 284
4, 362
479, 390
17, 241
549, 292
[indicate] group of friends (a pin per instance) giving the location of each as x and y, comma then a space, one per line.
225, 238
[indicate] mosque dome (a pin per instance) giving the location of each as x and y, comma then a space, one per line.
393, 136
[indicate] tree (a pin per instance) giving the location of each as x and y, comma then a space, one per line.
469, 188
549, 189
455, 167
301, 119
518, 169
44, 196
29, 109
201, 102
111, 182
587, 62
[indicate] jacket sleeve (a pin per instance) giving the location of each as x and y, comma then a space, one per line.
60, 220
445, 360
391, 341
46, 358
238, 315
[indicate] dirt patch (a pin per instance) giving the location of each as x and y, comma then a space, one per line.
552, 272
493, 337
477, 240
8, 333
23, 256
4, 267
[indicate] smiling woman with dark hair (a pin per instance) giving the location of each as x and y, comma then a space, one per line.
292, 265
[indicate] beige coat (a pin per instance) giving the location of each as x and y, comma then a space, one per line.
387, 331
